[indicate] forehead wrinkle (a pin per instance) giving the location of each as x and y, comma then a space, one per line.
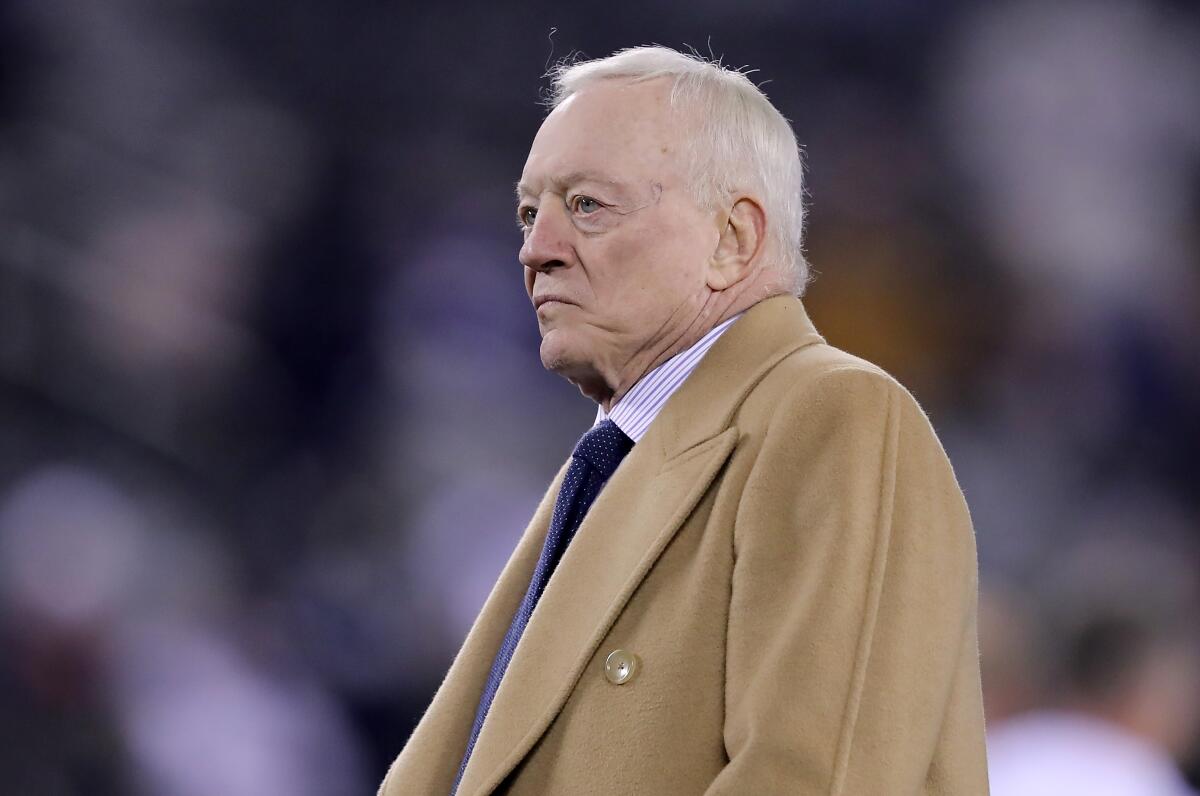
564, 181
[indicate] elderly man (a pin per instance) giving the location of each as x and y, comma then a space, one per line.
756, 573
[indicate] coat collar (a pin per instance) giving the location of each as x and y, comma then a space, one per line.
705, 403
647, 500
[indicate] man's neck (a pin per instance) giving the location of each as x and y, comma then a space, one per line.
646, 361
609, 392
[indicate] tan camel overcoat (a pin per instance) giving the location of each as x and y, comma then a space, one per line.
789, 557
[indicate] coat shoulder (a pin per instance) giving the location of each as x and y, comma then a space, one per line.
822, 379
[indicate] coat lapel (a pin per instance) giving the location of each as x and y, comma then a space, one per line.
430, 759
636, 515
625, 530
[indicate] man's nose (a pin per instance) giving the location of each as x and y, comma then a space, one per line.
548, 243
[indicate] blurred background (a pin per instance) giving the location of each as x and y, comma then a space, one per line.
272, 416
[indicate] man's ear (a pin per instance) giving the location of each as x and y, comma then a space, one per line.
739, 245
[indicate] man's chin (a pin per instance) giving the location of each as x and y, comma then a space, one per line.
567, 361
557, 354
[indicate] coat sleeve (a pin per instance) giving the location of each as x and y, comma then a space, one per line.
852, 664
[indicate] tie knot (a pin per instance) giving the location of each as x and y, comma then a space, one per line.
603, 447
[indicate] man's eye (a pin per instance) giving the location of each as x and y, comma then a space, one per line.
585, 204
527, 215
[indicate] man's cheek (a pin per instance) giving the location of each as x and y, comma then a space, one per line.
631, 257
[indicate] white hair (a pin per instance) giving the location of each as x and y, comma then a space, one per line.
741, 141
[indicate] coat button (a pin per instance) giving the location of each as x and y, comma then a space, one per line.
620, 667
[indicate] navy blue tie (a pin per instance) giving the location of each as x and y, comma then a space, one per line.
594, 461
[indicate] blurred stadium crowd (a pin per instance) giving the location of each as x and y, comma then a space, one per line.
271, 414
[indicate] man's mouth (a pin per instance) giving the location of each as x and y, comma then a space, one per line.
549, 298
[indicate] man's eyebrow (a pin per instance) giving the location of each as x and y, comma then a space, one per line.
571, 178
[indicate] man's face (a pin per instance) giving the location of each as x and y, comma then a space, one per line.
615, 250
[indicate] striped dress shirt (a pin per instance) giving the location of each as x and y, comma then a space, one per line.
637, 409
